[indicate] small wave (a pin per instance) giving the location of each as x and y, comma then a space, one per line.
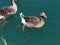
3, 41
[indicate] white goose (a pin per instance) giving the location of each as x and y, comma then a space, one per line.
33, 21
8, 11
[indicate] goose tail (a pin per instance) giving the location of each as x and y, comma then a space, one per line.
2, 17
21, 15
22, 18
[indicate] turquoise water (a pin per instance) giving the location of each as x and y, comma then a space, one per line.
47, 35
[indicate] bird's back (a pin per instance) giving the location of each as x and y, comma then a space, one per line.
32, 19
5, 11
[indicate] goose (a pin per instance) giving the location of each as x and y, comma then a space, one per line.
33, 21
8, 11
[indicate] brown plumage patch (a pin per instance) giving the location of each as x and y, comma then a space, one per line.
4, 11
8, 9
32, 19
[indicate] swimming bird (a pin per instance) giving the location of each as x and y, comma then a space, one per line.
33, 21
8, 11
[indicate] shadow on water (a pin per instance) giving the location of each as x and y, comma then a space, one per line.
32, 34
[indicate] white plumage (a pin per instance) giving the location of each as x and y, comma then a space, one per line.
22, 19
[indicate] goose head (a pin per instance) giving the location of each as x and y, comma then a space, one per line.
43, 15
13, 4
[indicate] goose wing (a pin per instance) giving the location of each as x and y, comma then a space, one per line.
32, 19
6, 10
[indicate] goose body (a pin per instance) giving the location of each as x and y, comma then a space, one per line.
35, 24
33, 21
8, 11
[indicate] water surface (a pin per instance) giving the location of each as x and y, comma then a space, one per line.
47, 35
